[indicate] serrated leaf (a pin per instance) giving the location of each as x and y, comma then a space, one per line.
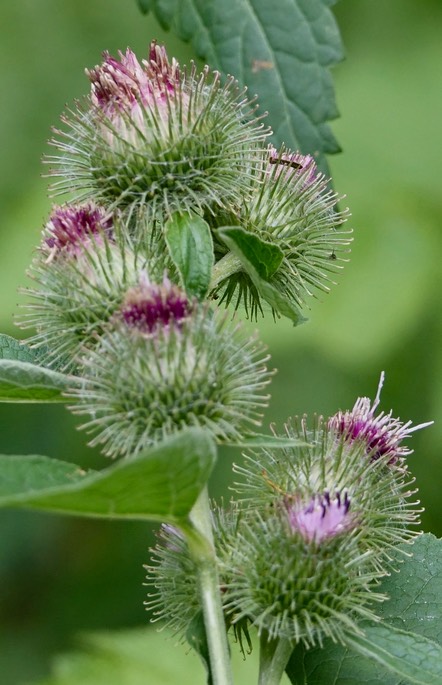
190, 244
282, 51
23, 379
265, 257
231, 236
411, 656
415, 606
13, 349
161, 484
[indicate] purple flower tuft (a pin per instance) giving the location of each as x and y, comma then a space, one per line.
70, 228
382, 434
323, 517
126, 84
151, 306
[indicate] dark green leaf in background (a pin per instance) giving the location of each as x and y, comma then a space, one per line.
22, 379
280, 50
162, 484
415, 606
233, 238
190, 245
144, 5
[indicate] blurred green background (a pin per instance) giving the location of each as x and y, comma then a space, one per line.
60, 576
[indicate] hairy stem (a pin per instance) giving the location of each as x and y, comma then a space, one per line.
273, 658
200, 539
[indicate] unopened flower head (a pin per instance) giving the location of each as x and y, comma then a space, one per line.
322, 517
161, 369
382, 434
155, 138
70, 229
291, 208
86, 269
150, 306
173, 582
294, 582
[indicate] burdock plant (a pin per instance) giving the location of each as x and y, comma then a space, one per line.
175, 206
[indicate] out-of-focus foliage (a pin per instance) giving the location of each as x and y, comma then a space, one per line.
59, 576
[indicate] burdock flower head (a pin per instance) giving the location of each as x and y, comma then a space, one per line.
71, 229
292, 211
81, 271
382, 435
167, 363
153, 138
317, 527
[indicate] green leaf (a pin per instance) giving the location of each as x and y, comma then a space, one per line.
411, 656
190, 244
144, 5
265, 257
22, 379
233, 238
137, 656
161, 484
10, 348
415, 606
281, 50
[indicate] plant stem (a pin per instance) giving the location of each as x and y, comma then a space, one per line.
226, 266
200, 539
273, 658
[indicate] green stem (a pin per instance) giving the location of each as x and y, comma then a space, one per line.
200, 539
227, 265
273, 658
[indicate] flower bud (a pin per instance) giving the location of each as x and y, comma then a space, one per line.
81, 271
165, 364
289, 205
172, 577
155, 137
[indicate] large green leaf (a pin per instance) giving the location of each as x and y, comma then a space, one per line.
144, 5
190, 244
141, 656
161, 484
410, 656
280, 50
251, 260
23, 379
415, 606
